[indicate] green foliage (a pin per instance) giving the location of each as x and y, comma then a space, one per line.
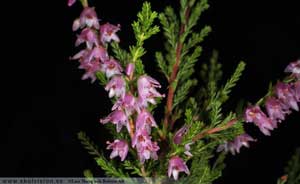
89, 176
107, 166
183, 91
102, 78
120, 54
202, 171
130, 165
143, 29
293, 169
225, 91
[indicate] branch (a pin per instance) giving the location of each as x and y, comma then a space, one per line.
173, 76
214, 130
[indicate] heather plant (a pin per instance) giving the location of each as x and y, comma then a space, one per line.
194, 136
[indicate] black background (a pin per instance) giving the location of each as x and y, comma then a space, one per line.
46, 104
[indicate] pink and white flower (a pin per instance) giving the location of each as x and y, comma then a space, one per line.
297, 90
88, 17
108, 33
179, 134
116, 87
145, 121
119, 147
88, 36
254, 114
130, 70
118, 118
147, 91
91, 69
287, 95
127, 103
145, 147
112, 67
294, 68
98, 53
176, 165
235, 145
71, 2
276, 109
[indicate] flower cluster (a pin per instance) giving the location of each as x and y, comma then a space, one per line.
235, 145
285, 99
127, 108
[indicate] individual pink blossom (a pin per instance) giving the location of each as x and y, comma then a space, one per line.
91, 69
179, 134
287, 95
294, 68
81, 55
98, 53
145, 121
127, 103
187, 148
147, 91
297, 90
88, 17
259, 118
176, 165
145, 147
71, 2
130, 70
76, 24
147, 150
112, 67
108, 33
118, 118
235, 145
119, 147
116, 87
87, 36
276, 109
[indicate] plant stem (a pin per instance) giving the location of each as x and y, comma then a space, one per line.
84, 3
214, 130
172, 78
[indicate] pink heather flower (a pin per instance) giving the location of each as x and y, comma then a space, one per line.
176, 165
119, 147
76, 24
179, 134
91, 69
88, 17
127, 104
145, 147
98, 53
130, 70
108, 33
147, 91
286, 94
118, 118
81, 55
112, 67
297, 90
294, 68
187, 149
116, 87
89, 36
71, 2
259, 118
145, 121
276, 109
235, 145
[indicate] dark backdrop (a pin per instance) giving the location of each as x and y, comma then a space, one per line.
46, 104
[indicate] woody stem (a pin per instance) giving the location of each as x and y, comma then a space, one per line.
215, 130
